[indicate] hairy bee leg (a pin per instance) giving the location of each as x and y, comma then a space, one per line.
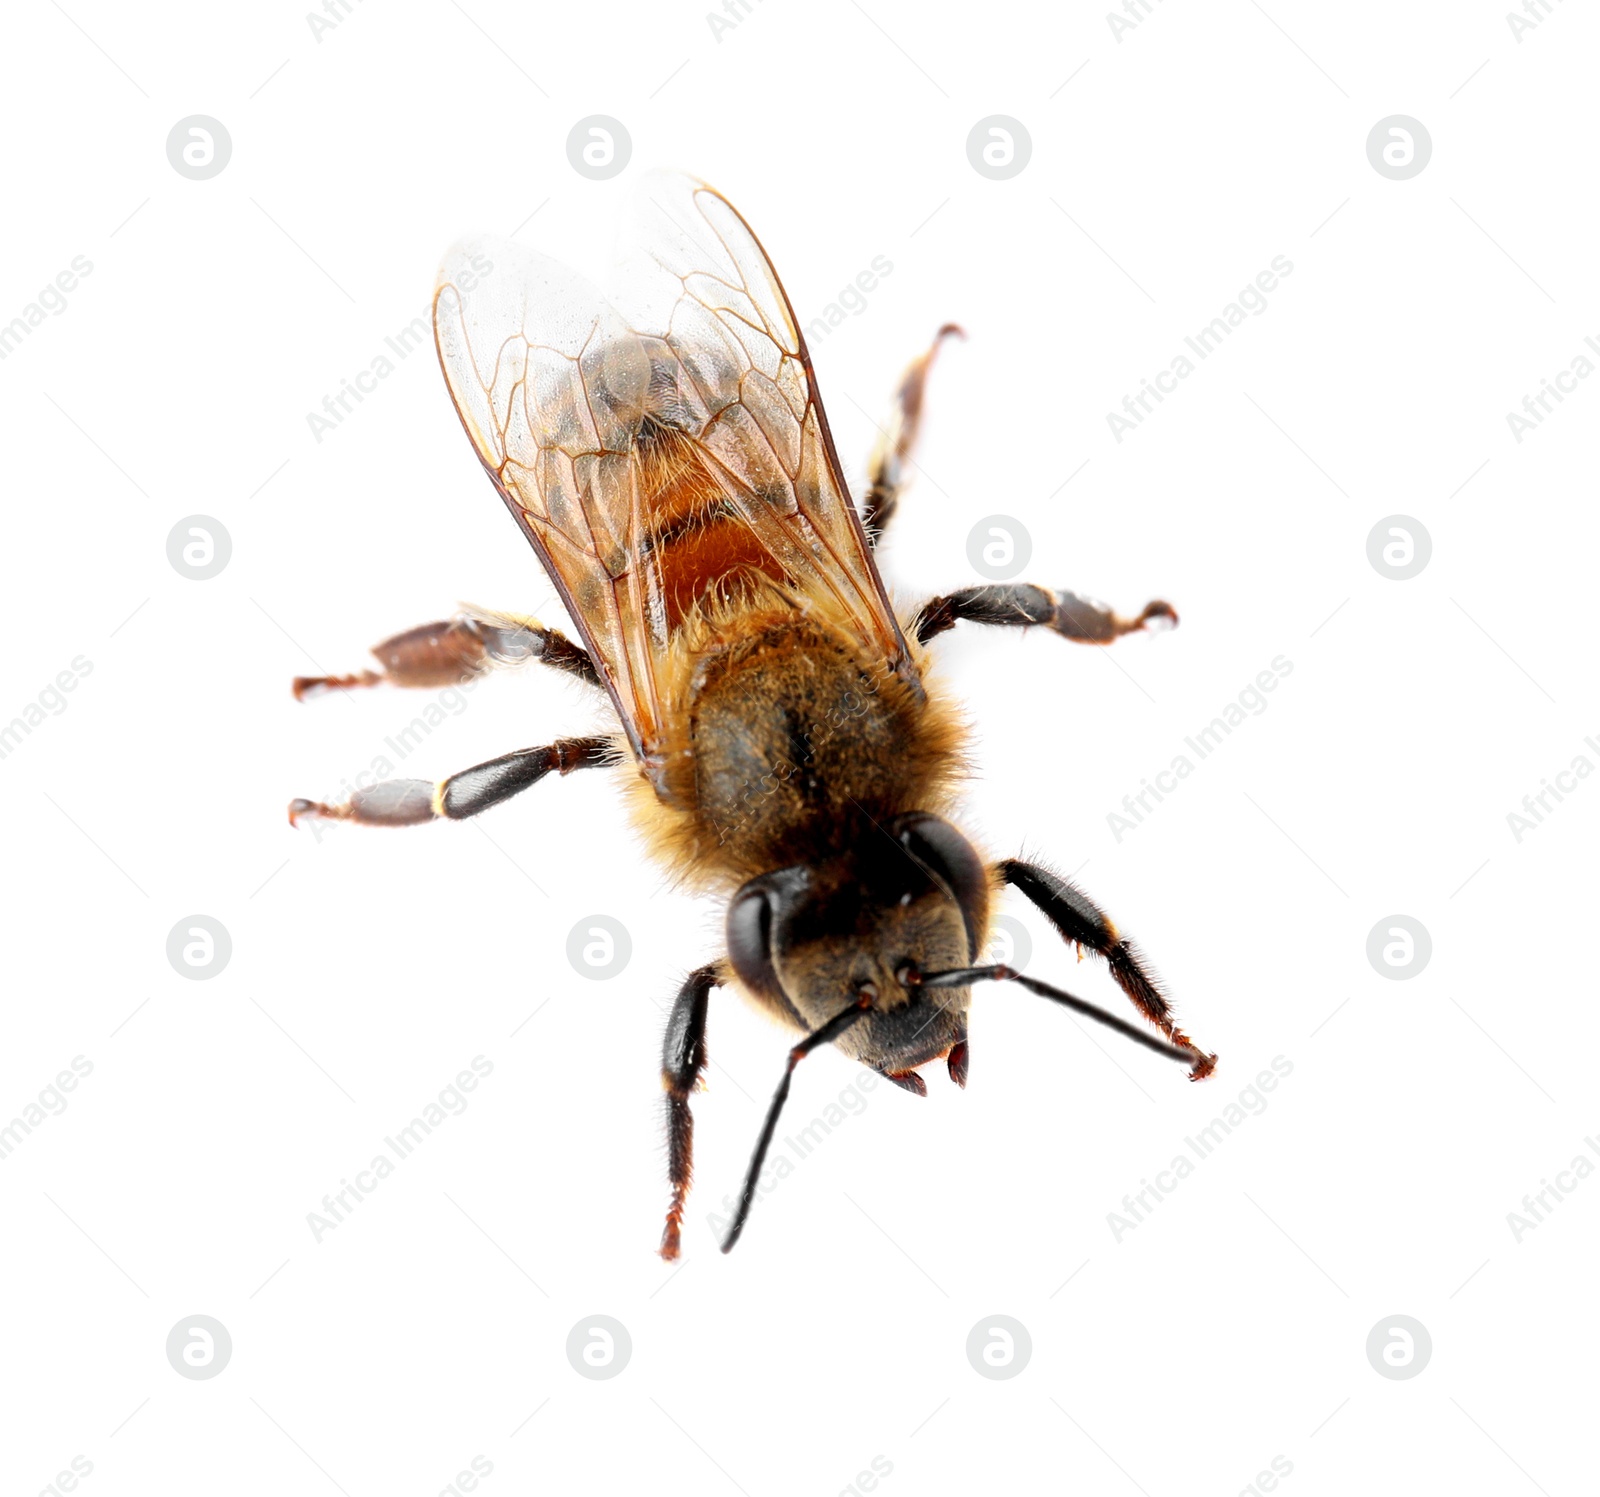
886, 475
451, 651
411, 802
1077, 918
683, 1058
1023, 605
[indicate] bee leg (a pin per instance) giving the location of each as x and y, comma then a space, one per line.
455, 650
1078, 919
1023, 605
683, 1058
410, 802
886, 475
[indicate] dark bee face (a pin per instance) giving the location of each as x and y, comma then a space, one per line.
913, 898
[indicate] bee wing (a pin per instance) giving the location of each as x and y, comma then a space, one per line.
700, 281
625, 432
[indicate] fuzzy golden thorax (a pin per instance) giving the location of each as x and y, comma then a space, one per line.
786, 745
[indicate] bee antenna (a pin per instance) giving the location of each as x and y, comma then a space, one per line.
829, 1032
1196, 1060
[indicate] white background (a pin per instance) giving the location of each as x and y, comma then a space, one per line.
1226, 1329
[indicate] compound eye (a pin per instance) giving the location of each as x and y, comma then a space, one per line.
751, 917
950, 861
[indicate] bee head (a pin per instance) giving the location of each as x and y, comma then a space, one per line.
912, 897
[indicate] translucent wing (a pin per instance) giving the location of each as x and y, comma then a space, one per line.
657, 445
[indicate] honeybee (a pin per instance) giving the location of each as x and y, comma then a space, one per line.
780, 736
